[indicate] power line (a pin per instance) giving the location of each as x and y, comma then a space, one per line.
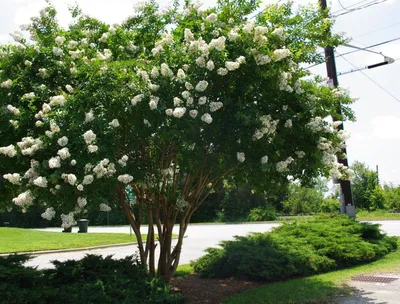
377, 30
338, 11
359, 8
372, 80
357, 50
370, 46
340, 3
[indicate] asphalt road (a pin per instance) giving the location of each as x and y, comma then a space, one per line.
198, 238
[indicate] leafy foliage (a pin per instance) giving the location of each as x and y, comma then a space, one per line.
263, 213
298, 249
168, 103
93, 279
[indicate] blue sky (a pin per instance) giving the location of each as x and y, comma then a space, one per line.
375, 136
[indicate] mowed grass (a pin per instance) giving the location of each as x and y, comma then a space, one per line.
26, 240
377, 215
315, 289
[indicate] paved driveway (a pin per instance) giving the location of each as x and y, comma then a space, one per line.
199, 237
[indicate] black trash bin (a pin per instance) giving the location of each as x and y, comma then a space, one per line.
83, 225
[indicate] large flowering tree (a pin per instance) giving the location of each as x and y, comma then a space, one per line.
168, 103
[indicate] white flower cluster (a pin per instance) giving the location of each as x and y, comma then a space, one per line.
69, 178
23, 199
49, 214
6, 84
67, 220
316, 124
58, 52
282, 166
107, 54
81, 202
215, 106
179, 112
136, 99
13, 110
212, 18
29, 145
280, 54
288, 123
201, 86
40, 182
63, 141
222, 71
268, 127
57, 100
64, 153
166, 71
207, 118
261, 59
28, 96
105, 208
104, 168
89, 116
264, 159
114, 123
259, 34
123, 160
240, 156
89, 136
55, 162
10, 151
279, 31
218, 44
125, 178
153, 103
60, 40
300, 154
13, 178
193, 113
88, 179
283, 83
31, 173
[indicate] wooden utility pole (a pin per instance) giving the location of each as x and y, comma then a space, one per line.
345, 187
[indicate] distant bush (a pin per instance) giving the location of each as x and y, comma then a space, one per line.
93, 279
262, 213
298, 249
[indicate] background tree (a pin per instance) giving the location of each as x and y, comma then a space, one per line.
367, 193
168, 103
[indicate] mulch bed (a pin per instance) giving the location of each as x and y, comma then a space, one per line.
210, 291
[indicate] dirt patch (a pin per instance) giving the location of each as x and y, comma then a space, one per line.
210, 291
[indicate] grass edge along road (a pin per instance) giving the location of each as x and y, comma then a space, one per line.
18, 240
313, 289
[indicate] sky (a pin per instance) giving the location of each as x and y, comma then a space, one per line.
375, 136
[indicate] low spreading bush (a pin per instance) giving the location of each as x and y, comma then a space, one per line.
262, 213
93, 279
297, 249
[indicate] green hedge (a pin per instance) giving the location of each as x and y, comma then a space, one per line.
297, 249
93, 279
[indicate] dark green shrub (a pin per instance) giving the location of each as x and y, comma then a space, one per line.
298, 249
262, 213
93, 279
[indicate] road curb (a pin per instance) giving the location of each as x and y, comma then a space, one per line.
35, 253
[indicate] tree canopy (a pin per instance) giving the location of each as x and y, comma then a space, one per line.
168, 103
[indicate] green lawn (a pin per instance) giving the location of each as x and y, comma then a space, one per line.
25, 240
377, 215
314, 289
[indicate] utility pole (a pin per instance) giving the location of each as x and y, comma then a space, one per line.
345, 187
